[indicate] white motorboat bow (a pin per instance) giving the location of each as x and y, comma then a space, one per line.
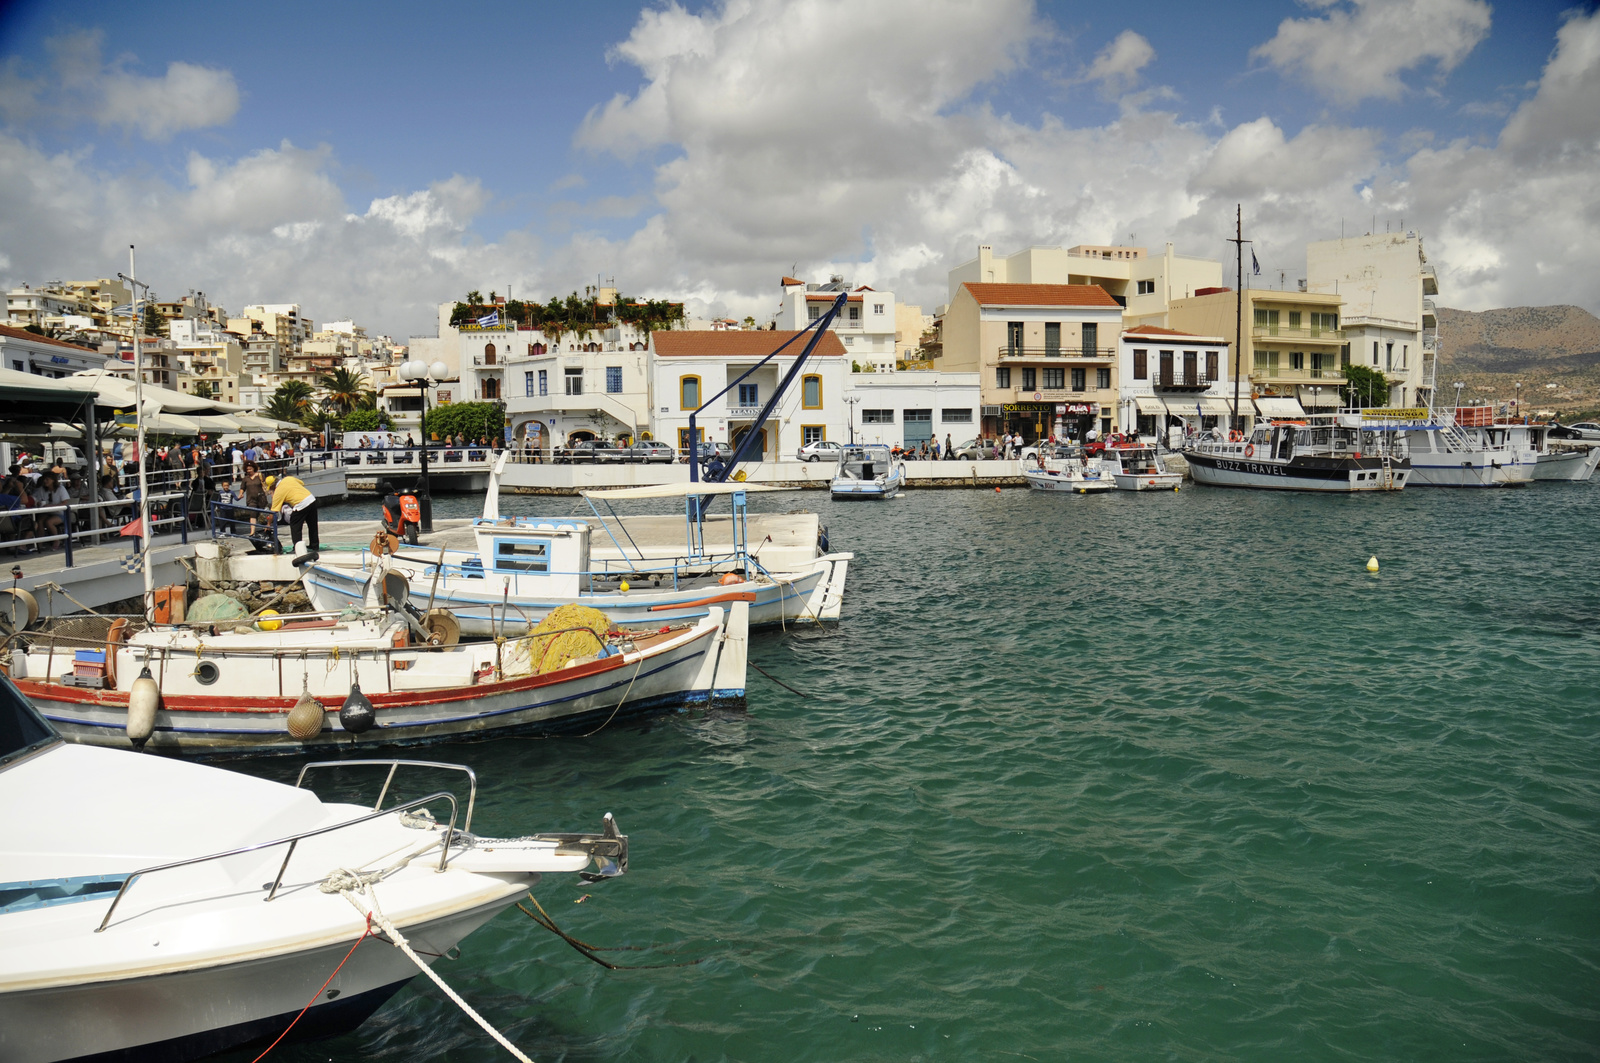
1136, 467
1064, 468
868, 470
153, 909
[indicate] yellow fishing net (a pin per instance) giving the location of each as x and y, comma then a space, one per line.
545, 652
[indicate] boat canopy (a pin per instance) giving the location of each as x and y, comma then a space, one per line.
1275, 407
681, 490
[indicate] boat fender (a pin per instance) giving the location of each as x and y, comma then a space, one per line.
623, 586
730, 578
143, 701
305, 719
356, 714
1249, 450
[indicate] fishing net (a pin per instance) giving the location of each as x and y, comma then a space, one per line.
541, 652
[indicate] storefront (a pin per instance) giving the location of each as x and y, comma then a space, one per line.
1032, 419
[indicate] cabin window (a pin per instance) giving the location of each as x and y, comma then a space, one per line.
811, 392
521, 555
689, 393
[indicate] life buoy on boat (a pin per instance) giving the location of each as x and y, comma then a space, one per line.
1249, 450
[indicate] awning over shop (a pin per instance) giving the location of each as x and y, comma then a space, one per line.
1150, 404
1199, 406
1274, 407
1325, 397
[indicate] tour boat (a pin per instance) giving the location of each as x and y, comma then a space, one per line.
1463, 447
1065, 468
868, 470
154, 909
185, 690
1135, 467
1297, 456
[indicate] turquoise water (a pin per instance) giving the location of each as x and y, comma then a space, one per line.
1109, 778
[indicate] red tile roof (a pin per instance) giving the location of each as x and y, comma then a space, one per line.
1157, 330
743, 344
1040, 294
788, 281
24, 334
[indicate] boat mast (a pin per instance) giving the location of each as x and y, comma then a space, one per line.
138, 402
1238, 243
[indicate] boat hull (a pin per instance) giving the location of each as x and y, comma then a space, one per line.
1045, 480
1343, 475
680, 674
194, 1013
1470, 470
1148, 481
844, 488
1573, 466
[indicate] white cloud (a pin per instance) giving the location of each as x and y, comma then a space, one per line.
1118, 64
1359, 49
82, 86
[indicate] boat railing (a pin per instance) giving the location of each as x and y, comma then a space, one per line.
79, 528
394, 765
292, 841
679, 568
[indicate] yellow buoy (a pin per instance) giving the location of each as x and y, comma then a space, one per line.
1372, 563
623, 586
269, 625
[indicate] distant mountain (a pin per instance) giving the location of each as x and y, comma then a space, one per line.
1519, 339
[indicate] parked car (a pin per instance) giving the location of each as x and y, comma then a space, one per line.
821, 450
975, 450
721, 449
648, 451
585, 452
1586, 429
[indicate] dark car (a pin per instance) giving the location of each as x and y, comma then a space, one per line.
650, 451
585, 452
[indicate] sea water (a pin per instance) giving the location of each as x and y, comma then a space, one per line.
1116, 777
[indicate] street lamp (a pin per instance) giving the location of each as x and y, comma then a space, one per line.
850, 404
424, 376
1519, 399
1458, 386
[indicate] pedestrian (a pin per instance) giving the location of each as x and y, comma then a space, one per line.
934, 450
949, 448
296, 502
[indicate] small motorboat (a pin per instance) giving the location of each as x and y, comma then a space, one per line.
1064, 467
868, 470
1137, 467
163, 910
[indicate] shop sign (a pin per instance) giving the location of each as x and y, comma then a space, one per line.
1079, 408
1026, 407
1396, 413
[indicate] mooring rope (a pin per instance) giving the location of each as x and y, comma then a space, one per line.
776, 680
588, 950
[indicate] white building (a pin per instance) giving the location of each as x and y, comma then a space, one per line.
1167, 378
689, 369
28, 352
866, 327
1141, 283
575, 386
911, 406
1389, 318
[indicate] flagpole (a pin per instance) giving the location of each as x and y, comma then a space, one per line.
138, 400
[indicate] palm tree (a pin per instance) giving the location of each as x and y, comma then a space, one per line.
289, 401
473, 297
347, 388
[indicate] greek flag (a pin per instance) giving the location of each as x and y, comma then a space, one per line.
1254, 265
125, 310
489, 319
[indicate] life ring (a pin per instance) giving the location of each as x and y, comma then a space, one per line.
1235, 436
1249, 450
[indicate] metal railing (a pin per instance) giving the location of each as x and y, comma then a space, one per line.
292, 841
161, 513
1183, 380
438, 454
1283, 332
393, 766
1020, 352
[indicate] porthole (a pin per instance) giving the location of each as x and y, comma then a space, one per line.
207, 672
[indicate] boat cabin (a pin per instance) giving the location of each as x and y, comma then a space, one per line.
866, 461
556, 550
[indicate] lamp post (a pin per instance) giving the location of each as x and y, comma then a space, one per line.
1458, 385
850, 402
1519, 399
424, 376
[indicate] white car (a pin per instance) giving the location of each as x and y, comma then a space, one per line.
821, 450
1586, 429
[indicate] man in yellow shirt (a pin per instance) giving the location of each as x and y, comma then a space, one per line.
299, 506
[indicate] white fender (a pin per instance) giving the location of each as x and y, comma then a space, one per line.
143, 701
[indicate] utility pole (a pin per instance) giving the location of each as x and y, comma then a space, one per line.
1238, 243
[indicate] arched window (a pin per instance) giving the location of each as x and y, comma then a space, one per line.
689, 393
811, 392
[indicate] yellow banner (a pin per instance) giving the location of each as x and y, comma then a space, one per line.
1396, 413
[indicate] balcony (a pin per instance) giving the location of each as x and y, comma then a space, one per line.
486, 361
1285, 375
1430, 281
1430, 314
1299, 335
1011, 354
1180, 381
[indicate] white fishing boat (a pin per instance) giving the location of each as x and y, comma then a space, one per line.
524, 567
1563, 455
1336, 454
1064, 468
1137, 467
315, 682
868, 470
152, 909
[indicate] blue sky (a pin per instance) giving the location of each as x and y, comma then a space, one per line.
373, 160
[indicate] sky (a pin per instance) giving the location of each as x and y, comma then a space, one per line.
370, 161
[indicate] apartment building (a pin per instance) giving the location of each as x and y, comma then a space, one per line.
1046, 354
691, 368
1168, 378
1141, 284
867, 327
283, 322
1293, 348
575, 386
1389, 321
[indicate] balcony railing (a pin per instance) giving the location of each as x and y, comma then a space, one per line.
1012, 353
1285, 374
486, 361
1197, 381
1280, 332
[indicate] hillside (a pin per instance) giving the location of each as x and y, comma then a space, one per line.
1553, 351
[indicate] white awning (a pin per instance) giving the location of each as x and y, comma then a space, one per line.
681, 490
1326, 396
1150, 404
1271, 407
1200, 406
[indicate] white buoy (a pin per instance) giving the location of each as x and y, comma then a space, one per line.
143, 701
1372, 563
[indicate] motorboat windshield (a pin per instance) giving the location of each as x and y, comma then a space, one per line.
866, 461
22, 729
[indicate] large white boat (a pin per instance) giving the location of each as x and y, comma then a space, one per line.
1064, 468
1463, 447
524, 567
252, 691
154, 909
1136, 467
1299, 456
868, 470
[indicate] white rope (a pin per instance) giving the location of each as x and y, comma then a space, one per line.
346, 882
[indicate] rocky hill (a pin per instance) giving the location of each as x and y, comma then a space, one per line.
1553, 351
